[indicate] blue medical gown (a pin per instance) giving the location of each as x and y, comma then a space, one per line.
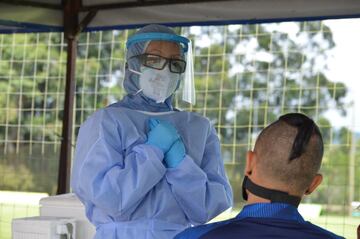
127, 190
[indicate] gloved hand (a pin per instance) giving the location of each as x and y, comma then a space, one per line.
162, 134
175, 155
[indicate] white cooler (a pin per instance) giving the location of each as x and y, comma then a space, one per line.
43, 228
68, 205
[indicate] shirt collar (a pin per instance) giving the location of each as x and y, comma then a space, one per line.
271, 210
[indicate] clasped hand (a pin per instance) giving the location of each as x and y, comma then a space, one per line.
164, 135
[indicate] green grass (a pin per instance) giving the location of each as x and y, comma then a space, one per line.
10, 211
344, 226
17, 205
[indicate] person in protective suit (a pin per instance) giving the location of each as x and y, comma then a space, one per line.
142, 168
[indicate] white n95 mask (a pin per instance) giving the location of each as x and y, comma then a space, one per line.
158, 85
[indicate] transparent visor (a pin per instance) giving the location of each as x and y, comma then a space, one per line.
184, 67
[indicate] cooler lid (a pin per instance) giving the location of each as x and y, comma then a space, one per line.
63, 200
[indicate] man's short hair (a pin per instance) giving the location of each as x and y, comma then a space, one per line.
290, 151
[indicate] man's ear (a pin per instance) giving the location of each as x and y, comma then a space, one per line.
314, 184
250, 162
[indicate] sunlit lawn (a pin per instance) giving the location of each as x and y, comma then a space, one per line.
345, 226
18, 204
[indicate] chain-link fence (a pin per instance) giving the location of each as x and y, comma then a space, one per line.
245, 75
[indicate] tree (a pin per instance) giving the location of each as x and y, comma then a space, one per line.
254, 73
245, 77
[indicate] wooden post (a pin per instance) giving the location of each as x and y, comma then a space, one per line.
71, 22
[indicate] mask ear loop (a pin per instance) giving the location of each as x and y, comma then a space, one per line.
135, 72
137, 92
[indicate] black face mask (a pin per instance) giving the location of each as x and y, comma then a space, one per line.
270, 194
305, 127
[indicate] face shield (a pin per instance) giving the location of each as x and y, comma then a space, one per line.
183, 67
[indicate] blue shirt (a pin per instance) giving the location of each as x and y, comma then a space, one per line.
260, 220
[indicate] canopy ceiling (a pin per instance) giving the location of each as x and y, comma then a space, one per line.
47, 15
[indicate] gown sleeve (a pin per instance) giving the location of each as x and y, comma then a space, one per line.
202, 191
107, 177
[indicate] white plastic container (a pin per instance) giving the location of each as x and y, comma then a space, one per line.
43, 228
68, 205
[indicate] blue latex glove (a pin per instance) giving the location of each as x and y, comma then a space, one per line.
175, 155
162, 134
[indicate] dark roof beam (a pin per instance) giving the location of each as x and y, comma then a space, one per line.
139, 3
91, 8
32, 4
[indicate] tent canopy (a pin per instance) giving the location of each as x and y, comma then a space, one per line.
47, 15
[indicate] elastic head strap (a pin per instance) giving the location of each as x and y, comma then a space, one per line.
153, 36
270, 194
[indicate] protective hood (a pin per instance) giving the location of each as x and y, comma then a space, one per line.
137, 45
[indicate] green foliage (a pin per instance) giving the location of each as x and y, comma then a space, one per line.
290, 79
16, 178
246, 76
